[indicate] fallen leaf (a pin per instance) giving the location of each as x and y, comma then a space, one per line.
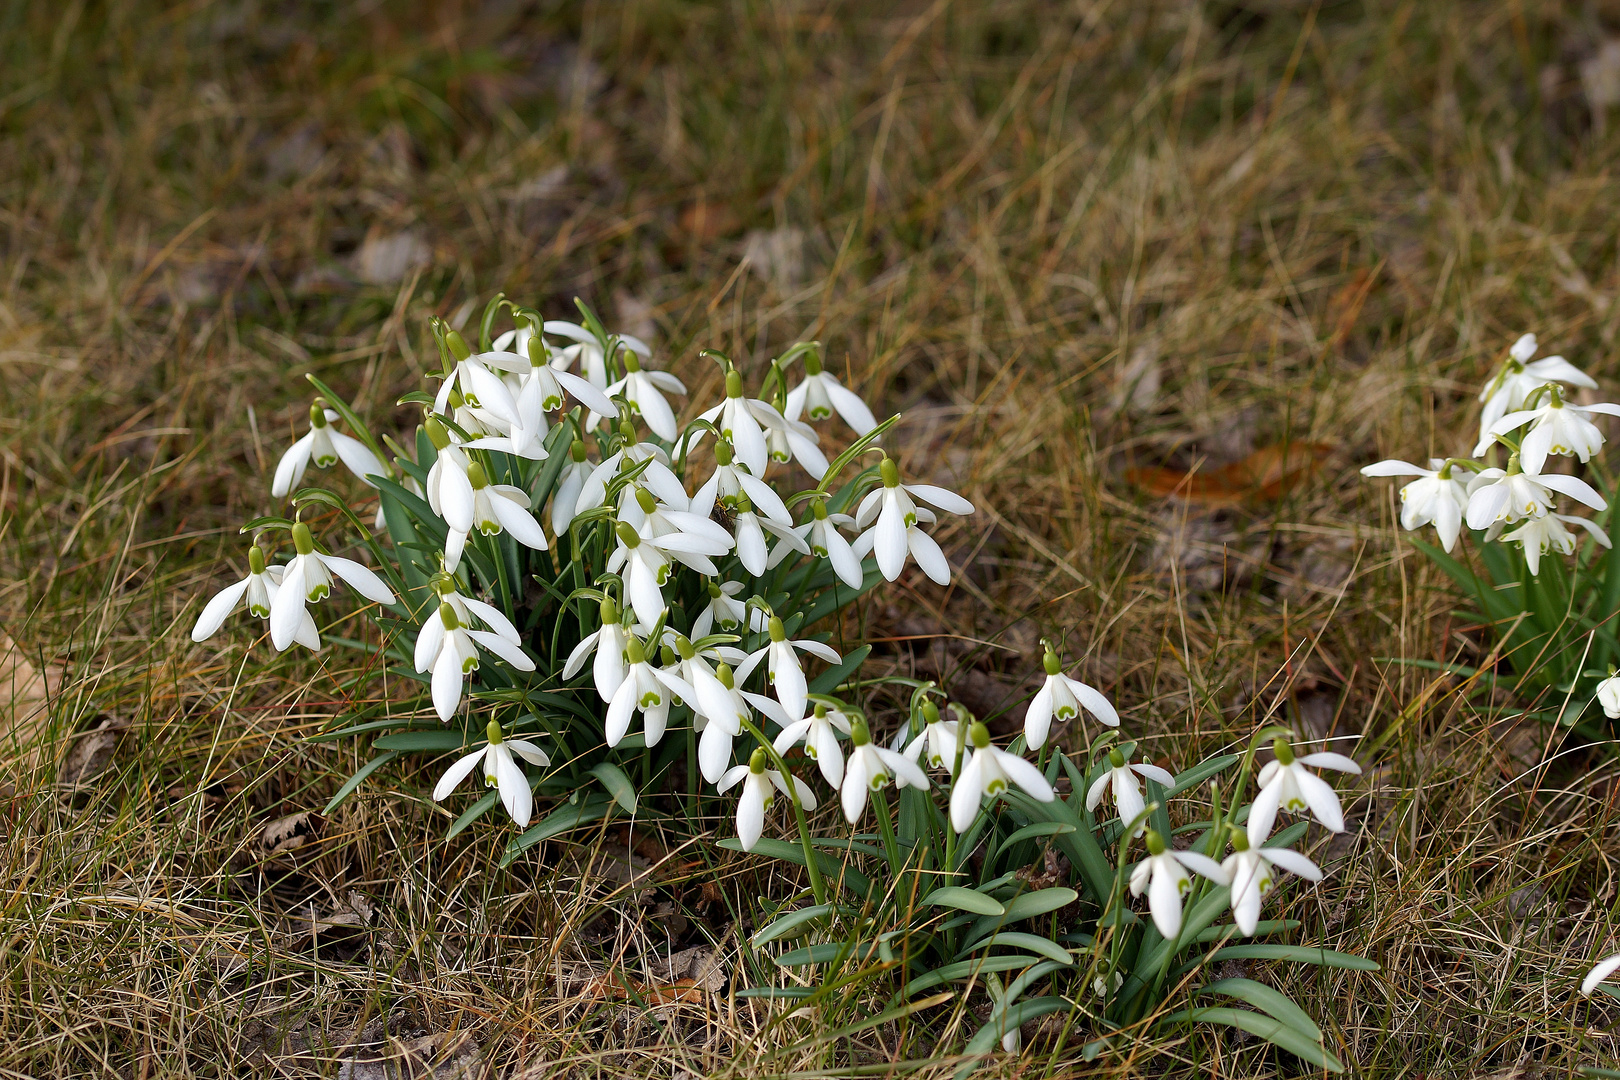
1345, 307
690, 976
1263, 476
704, 221
25, 693
91, 752
287, 834
385, 260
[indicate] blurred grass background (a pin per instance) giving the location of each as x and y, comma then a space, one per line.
1074, 242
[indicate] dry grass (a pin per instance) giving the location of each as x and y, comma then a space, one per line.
1067, 240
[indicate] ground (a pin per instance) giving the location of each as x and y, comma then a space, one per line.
1085, 248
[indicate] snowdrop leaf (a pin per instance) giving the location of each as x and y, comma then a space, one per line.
566, 817
422, 740
853, 881
473, 813
1303, 954
358, 778
1034, 943
1266, 1027
955, 896
617, 784
828, 680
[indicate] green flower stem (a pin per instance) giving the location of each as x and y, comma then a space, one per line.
880, 803
817, 885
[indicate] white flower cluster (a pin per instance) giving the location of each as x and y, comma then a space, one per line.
505, 401
1526, 412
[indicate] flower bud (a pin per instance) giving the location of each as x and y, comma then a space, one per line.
859, 733
302, 540
778, 631
537, 351
476, 476
317, 413
715, 591
632, 362
1115, 758
576, 451
1155, 842
1284, 752
757, 761
812, 363
458, 345
722, 452
1240, 839
733, 384
634, 653
609, 610
745, 505
255, 559
666, 656
627, 535
818, 507
820, 711
1051, 662
645, 500
493, 733
722, 671
684, 647
979, 734
436, 433
447, 615
890, 472
443, 584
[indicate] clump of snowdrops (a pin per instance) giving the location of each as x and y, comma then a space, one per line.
1553, 618
601, 610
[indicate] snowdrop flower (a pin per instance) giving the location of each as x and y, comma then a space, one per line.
643, 690
820, 394
1555, 428
468, 608
260, 589
1599, 973
782, 667
1285, 784
645, 390
497, 508
819, 733
1062, 697
500, 771
744, 423
826, 542
608, 642
724, 707
750, 529
757, 796
795, 441
988, 772
941, 738
1121, 777
325, 447
1511, 494
588, 350
1437, 498
656, 476
449, 649
1608, 695
485, 401
1163, 876
570, 482
653, 519
870, 768
1515, 381
547, 377
730, 481
308, 579
723, 610
895, 530
449, 491
1252, 873
1547, 533
645, 565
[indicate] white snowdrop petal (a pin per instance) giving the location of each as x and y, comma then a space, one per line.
215, 612
290, 469
456, 773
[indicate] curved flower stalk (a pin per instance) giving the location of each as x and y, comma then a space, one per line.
941, 738
819, 732
757, 797
1163, 876
893, 517
449, 649
1120, 779
500, 771
1437, 497
871, 768
1063, 698
820, 394
1252, 873
1286, 784
324, 446
987, 773
307, 580
258, 589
